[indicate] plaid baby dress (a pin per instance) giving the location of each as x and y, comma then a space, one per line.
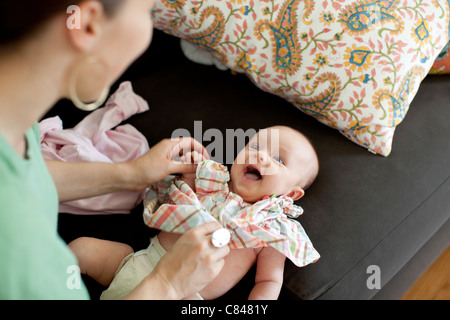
172, 206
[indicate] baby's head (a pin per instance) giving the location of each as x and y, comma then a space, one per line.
278, 160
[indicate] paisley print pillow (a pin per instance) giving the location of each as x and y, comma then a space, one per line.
354, 65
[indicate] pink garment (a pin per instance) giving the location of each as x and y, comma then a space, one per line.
95, 140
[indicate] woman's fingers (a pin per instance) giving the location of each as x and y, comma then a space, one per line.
193, 262
187, 149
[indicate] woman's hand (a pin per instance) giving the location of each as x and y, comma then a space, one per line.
170, 156
186, 268
79, 180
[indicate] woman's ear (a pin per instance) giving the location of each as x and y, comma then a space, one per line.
296, 193
87, 22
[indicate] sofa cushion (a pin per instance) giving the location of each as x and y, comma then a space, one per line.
354, 65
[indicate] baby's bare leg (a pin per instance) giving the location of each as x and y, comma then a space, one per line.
99, 259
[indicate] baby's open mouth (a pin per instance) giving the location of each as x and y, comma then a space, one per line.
252, 173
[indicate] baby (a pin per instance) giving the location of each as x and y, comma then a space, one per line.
252, 202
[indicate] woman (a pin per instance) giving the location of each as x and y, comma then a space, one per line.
55, 49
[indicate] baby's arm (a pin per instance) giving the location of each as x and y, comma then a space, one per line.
269, 275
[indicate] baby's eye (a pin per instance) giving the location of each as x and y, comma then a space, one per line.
278, 159
255, 147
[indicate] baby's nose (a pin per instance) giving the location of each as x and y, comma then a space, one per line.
262, 157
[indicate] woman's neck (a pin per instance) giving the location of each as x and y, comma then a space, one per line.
28, 89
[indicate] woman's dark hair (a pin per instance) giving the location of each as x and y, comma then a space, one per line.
19, 18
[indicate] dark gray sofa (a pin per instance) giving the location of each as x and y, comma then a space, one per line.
363, 210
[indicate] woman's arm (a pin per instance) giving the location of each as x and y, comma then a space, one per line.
269, 275
78, 180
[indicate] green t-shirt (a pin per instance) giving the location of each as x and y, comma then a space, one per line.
35, 263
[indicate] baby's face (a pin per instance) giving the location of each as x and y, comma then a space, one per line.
277, 160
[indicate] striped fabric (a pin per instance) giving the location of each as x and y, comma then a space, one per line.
172, 206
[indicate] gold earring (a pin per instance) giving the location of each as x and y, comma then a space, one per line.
92, 60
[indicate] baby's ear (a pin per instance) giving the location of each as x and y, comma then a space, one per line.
296, 193
91, 17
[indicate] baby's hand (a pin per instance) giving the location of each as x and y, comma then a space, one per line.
195, 158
